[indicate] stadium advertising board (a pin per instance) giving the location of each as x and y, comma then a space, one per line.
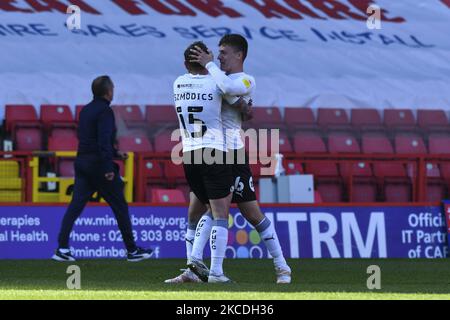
303, 52
30, 232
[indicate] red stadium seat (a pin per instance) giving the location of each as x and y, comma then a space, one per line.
432, 121
185, 189
300, 119
163, 141
28, 139
66, 168
326, 175
161, 117
409, 144
78, 109
309, 142
292, 167
284, 144
435, 192
20, 116
399, 120
168, 196
317, 197
152, 170
433, 170
266, 117
149, 191
390, 175
376, 143
330, 192
61, 143
51, 114
398, 193
57, 116
364, 184
174, 173
131, 115
365, 120
394, 177
358, 169
439, 144
390, 169
435, 184
327, 180
64, 132
445, 171
138, 142
342, 143
364, 192
319, 169
333, 119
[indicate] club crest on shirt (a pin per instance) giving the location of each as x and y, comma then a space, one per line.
247, 83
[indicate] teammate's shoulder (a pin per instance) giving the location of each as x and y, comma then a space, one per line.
247, 76
248, 80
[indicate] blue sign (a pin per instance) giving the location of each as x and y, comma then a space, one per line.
30, 232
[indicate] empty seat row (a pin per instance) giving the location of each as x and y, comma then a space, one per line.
371, 143
372, 181
366, 119
304, 118
30, 139
61, 116
263, 117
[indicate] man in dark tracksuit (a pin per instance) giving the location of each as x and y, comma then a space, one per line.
95, 171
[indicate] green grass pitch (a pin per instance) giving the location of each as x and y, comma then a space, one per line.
312, 279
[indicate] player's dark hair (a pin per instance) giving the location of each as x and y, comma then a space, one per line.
187, 56
238, 42
101, 86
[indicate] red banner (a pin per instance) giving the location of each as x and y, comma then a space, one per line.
271, 9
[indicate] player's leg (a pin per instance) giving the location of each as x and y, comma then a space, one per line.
194, 178
82, 192
195, 211
219, 238
252, 212
195, 216
245, 197
112, 192
203, 230
218, 181
202, 233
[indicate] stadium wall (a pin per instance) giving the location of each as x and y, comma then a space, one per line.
305, 231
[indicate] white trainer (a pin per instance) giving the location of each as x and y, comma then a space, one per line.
283, 275
219, 279
186, 277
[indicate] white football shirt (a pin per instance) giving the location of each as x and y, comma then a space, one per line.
231, 117
198, 103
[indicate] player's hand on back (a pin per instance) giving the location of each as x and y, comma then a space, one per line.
201, 57
245, 108
247, 114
